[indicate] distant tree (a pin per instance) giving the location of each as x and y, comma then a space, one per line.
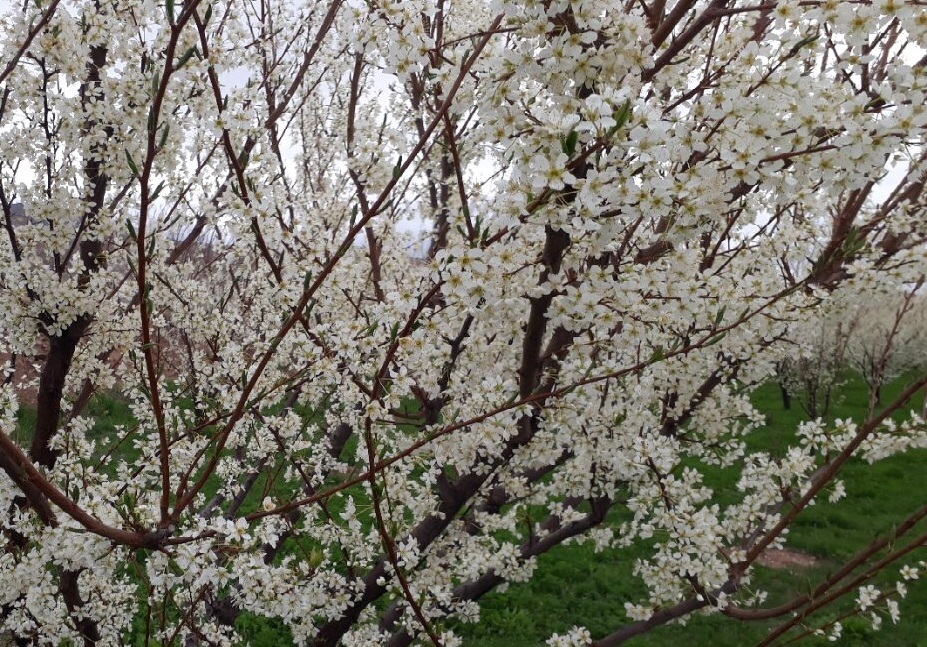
631, 207
890, 339
815, 368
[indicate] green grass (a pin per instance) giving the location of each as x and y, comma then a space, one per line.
575, 586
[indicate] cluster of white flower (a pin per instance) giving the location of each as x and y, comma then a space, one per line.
575, 637
637, 217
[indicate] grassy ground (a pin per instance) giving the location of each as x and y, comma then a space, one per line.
575, 586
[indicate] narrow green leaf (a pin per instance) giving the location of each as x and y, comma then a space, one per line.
621, 117
569, 143
658, 354
804, 41
132, 166
185, 57
154, 194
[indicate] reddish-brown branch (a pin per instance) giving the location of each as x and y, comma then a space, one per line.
708, 338
832, 579
847, 588
235, 415
37, 487
389, 544
141, 260
667, 24
830, 470
27, 42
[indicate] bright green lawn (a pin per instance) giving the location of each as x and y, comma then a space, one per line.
575, 586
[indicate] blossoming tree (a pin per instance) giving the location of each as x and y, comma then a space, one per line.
889, 342
631, 204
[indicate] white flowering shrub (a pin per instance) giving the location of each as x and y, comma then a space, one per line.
356, 429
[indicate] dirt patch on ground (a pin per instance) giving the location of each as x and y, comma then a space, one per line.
785, 558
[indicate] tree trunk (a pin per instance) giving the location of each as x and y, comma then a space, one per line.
786, 397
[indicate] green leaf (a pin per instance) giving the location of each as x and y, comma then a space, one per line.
169, 5
397, 170
853, 242
720, 315
621, 116
186, 57
207, 15
658, 354
804, 41
568, 144
132, 165
132, 234
154, 194
164, 132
